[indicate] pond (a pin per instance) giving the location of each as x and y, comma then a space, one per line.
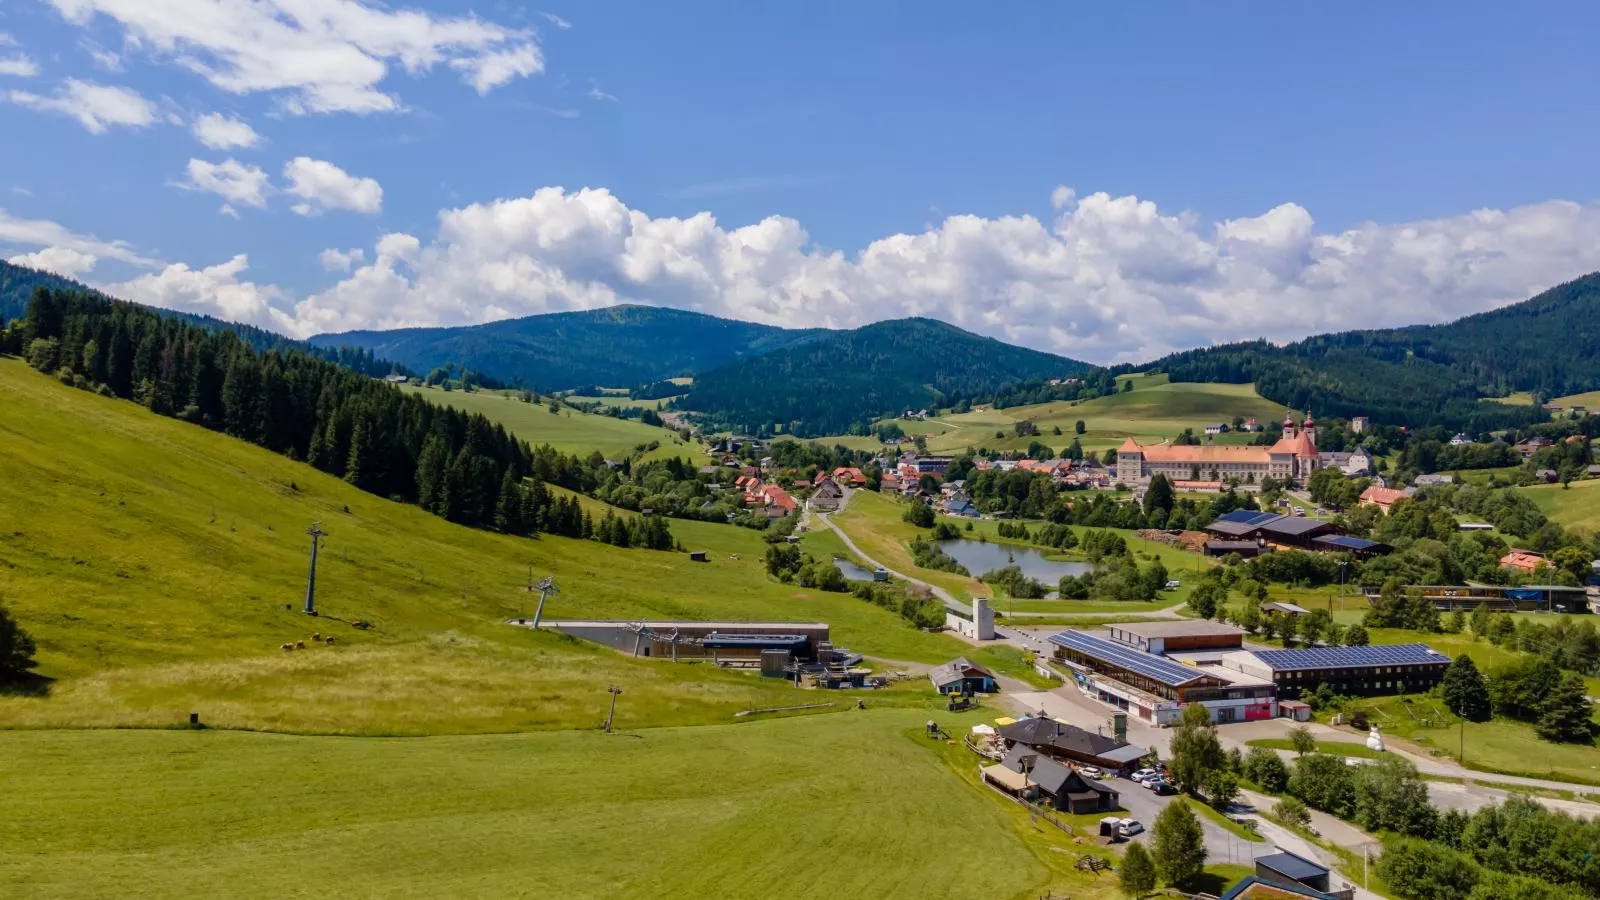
852, 572
980, 557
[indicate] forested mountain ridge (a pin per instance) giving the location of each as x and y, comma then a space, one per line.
618, 346
1427, 374
18, 282
842, 381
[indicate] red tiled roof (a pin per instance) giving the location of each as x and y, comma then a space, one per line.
1380, 496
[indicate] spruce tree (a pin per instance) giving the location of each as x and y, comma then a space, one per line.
1566, 715
355, 465
16, 648
1465, 692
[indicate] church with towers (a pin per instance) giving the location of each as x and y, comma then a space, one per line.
1293, 458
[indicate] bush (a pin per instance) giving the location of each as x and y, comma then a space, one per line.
16, 648
1266, 769
1292, 813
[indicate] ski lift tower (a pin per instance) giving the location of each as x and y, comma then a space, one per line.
545, 589
317, 534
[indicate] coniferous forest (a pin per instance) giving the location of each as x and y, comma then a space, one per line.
455, 465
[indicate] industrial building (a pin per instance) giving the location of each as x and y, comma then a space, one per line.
1177, 635
1156, 688
1352, 671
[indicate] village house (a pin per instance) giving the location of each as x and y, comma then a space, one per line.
849, 476
1359, 424
1216, 428
1252, 426
963, 676
825, 497
1353, 463
1460, 440
1523, 561
1066, 788
1531, 446
1383, 498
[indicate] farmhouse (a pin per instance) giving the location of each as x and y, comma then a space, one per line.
962, 676
1156, 688
1354, 671
1061, 741
1292, 458
849, 476
1067, 789
825, 496
1523, 561
1354, 463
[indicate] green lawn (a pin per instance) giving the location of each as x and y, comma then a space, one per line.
1590, 400
1337, 748
1575, 506
569, 431
161, 566
850, 804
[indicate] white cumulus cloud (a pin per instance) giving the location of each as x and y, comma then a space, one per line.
230, 179
215, 291
317, 56
1107, 279
51, 235
220, 132
321, 185
60, 260
336, 260
97, 107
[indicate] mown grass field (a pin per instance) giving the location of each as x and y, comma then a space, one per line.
1575, 506
160, 566
1337, 748
1590, 400
848, 804
569, 431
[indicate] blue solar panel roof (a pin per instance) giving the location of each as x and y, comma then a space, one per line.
1249, 517
1347, 542
1350, 657
1162, 670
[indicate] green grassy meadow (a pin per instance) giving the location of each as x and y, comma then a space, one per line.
1589, 400
1154, 410
1575, 506
569, 431
568, 814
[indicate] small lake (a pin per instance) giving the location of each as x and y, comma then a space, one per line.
980, 557
852, 572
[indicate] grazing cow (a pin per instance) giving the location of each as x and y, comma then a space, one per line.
330, 639
286, 647
299, 645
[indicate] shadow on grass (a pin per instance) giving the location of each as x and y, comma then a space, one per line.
28, 684
1207, 883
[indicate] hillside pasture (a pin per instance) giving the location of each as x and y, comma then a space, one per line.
161, 566
1575, 506
569, 430
1154, 410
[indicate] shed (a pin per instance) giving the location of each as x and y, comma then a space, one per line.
698, 556
962, 676
1245, 549
1293, 869
1339, 543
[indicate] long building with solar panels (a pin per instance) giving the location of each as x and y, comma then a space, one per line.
1156, 688
1353, 671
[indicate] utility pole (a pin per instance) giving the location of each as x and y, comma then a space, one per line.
1461, 752
610, 716
317, 534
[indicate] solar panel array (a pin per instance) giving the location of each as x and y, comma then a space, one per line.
1251, 517
1351, 657
1353, 543
1162, 670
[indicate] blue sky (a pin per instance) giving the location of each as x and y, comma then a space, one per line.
1296, 169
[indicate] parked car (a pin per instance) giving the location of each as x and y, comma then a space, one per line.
1144, 775
1160, 786
1173, 585
1129, 827
1090, 772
